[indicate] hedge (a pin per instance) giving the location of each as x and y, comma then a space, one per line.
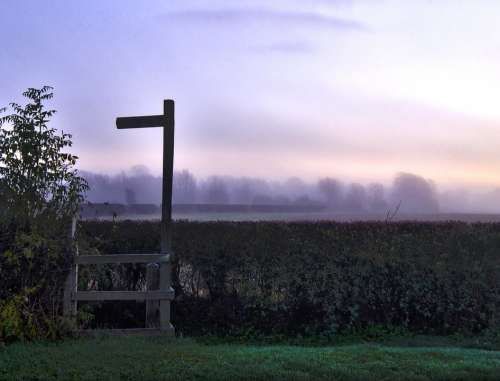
309, 278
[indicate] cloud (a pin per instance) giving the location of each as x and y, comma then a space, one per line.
264, 15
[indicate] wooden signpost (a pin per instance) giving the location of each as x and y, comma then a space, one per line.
165, 293
167, 122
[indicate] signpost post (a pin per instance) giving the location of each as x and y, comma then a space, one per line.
167, 122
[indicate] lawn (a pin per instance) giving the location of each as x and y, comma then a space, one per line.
143, 358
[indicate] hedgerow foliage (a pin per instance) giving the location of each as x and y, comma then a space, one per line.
314, 278
40, 191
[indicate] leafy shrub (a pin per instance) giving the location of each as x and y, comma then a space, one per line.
34, 263
39, 193
322, 278
14, 321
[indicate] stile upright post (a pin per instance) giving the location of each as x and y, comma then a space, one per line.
71, 284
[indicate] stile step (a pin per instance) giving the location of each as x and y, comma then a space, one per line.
123, 295
121, 258
170, 332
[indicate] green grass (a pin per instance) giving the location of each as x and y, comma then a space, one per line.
142, 358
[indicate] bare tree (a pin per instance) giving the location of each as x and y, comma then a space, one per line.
376, 197
355, 199
184, 187
130, 197
216, 191
331, 190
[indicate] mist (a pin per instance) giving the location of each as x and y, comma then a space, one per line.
409, 193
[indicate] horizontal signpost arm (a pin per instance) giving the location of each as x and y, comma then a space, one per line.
140, 121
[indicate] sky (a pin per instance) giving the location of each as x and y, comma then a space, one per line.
358, 90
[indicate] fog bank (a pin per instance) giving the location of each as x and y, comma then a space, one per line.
409, 193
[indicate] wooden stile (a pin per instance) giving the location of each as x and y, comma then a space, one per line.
157, 300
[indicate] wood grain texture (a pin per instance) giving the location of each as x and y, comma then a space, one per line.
141, 121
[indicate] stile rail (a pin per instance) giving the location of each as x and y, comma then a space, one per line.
121, 258
123, 295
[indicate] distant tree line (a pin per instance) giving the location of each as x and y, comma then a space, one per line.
413, 193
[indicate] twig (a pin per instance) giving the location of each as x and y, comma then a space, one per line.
390, 215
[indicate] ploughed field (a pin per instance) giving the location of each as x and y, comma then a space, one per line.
240, 212
322, 216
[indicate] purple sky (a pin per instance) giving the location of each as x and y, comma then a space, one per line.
353, 89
